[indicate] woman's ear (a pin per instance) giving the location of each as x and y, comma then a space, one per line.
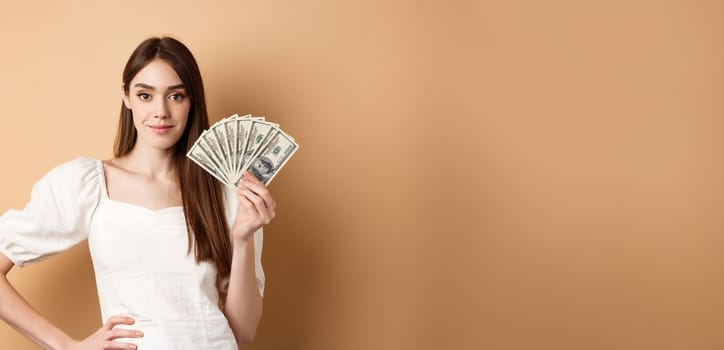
124, 96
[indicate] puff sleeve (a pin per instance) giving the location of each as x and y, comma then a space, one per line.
231, 206
58, 215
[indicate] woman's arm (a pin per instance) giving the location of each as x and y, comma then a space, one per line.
20, 315
243, 307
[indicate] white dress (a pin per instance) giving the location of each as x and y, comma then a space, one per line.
139, 256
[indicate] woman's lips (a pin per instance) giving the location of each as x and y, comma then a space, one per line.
161, 129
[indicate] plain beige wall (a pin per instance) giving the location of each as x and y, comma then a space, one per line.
472, 175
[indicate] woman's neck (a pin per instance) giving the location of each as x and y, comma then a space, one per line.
154, 163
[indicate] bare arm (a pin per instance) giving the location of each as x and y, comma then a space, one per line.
20, 315
243, 307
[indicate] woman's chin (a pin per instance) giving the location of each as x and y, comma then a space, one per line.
163, 145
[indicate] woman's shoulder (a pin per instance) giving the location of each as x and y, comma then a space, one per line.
75, 167
79, 174
78, 163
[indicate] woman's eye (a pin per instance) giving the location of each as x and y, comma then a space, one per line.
177, 97
143, 96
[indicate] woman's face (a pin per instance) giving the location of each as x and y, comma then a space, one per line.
159, 103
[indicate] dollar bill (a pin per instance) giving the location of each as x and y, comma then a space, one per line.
272, 157
258, 133
199, 157
208, 145
243, 128
231, 136
220, 144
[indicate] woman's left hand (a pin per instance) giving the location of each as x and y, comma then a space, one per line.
256, 207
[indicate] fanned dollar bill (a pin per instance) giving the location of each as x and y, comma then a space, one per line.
238, 143
272, 156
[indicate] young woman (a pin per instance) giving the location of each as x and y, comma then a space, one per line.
177, 258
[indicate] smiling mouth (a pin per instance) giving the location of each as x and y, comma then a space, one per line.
161, 129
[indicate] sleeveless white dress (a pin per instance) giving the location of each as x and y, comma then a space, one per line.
139, 256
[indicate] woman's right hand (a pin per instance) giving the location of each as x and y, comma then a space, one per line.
105, 336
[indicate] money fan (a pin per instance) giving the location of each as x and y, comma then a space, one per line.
238, 143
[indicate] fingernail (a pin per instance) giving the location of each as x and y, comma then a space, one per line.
140, 334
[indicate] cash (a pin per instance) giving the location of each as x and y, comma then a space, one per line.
238, 143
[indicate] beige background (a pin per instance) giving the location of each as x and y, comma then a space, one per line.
473, 175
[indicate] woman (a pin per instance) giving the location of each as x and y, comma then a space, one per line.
176, 256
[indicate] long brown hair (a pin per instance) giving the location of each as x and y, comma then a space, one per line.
201, 194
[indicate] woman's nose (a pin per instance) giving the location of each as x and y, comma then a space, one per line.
161, 110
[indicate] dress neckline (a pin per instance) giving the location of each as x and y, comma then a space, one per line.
106, 196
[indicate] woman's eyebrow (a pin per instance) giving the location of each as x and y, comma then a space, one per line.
146, 86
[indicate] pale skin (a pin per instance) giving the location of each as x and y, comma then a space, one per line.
145, 178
